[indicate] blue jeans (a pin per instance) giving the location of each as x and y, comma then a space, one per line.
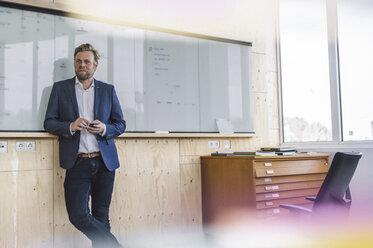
90, 178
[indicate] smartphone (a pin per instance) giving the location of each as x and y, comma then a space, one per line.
92, 124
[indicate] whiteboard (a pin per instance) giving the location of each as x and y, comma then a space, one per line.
164, 81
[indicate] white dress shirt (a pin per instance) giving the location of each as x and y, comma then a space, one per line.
86, 101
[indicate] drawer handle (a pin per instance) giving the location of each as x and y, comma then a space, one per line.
267, 180
267, 164
273, 211
271, 187
269, 203
270, 172
272, 195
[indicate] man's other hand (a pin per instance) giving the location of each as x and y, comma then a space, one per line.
79, 124
96, 127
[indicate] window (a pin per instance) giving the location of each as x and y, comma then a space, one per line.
306, 105
329, 41
355, 36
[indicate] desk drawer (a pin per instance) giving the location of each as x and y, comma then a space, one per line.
286, 194
276, 203
296, 170
288, 186
290, 163
289, 179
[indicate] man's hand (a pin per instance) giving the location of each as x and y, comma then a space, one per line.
96, 127
79, 124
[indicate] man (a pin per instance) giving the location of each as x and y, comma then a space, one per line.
86, 115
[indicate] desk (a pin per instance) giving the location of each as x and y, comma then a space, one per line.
259, 184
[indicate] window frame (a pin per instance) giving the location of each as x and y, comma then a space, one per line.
335, 93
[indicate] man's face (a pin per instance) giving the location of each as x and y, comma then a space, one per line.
85, 65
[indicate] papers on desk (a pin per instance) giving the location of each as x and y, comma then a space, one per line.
279, 149
243, 153
289, 153
222, 153
232, 153
265, 151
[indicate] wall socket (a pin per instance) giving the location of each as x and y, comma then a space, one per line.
3, 146
25, 146
213, 144
227, 144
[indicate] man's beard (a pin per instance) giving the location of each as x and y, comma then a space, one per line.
83, 76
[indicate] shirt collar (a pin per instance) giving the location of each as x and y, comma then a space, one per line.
77, 82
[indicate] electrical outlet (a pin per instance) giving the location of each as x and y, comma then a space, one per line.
213, 144
3, 146
227, 144
25, 146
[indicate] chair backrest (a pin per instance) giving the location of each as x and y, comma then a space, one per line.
332, 191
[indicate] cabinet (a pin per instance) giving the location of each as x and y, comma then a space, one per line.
259, 184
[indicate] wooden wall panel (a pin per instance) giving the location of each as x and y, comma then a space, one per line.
148, 155
258, 69
199, 146
243, 144
147, 192
261, 125
38, 160
191, 200
26, 209
272, 96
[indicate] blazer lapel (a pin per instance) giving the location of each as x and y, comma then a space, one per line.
97, 99
71, 93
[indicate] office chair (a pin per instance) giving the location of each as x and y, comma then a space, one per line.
334, 197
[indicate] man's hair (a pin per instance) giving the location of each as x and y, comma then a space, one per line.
87, 47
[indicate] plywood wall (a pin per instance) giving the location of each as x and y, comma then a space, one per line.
157, 190
26, 206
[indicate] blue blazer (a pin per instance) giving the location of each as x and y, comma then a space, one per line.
63, 109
